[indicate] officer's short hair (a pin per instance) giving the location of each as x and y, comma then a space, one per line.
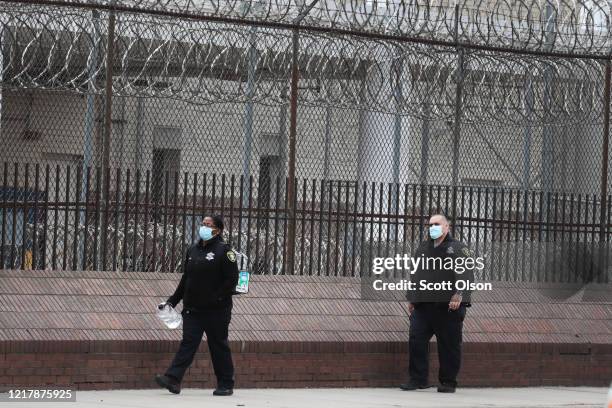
218, 221
440, 215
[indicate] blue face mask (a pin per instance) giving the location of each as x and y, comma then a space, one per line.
205, 233
435, 231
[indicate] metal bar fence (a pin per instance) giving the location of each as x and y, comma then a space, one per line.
523, 236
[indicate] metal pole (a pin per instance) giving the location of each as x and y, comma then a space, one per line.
327, 141
457, 124
248, 114
108, 106
139, 124
527, 136
604, 157
425, 143
547, 136
291, 158
90, 113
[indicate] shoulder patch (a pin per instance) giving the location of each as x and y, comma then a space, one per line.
231, 255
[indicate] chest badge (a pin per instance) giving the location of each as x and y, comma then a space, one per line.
450, 250
210, 256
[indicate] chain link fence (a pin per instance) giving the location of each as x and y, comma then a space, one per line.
324, 141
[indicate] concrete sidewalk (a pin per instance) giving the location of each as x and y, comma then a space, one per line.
542, 397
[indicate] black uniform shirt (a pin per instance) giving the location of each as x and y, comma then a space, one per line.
449, 248
209, 277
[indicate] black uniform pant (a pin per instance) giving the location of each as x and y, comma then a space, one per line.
426, 320
215, 324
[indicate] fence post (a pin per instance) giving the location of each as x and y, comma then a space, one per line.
108, 106
457, 121
290, 258
604, 156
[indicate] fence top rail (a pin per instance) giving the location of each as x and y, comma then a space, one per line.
564, 29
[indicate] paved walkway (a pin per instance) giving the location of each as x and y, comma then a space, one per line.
542, 397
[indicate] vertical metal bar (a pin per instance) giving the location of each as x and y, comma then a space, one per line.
213, 195
97, 230
126, 218
4, 210
232, 210
184, 217
458, 108
563, 230
90, 116
516, 234
46, 220
524, 240
605, 154
329, 230
258, 212
250, 208
578, 216
77, 223
320, 238
108, 107
354, 228
56, 217
222, 205
346, 228
194, 207
172, 267
312, 222
527, 136
554, 233
290, 249
240, 215
337, 231
364, 209
303, 224
104, 230
155, 218
379, 218
136, 219
83, 260
248, 109
35, 210
425, 143
267, 236
116, 228
327, 139
24, 204
531, 235
547, 243
14, 220
163, 257
276, 215
146, 220
493, 233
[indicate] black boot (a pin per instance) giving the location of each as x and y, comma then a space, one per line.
446, 388
168, 383
222, 391
412, 386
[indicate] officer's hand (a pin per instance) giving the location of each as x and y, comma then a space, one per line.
410, 308
455, 302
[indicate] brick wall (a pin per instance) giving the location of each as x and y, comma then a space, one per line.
288, 332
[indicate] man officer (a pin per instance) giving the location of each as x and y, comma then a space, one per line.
439, 312
206, 287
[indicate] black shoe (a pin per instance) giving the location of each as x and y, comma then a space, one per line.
413, 386
446, 388
224, 392
168, 383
